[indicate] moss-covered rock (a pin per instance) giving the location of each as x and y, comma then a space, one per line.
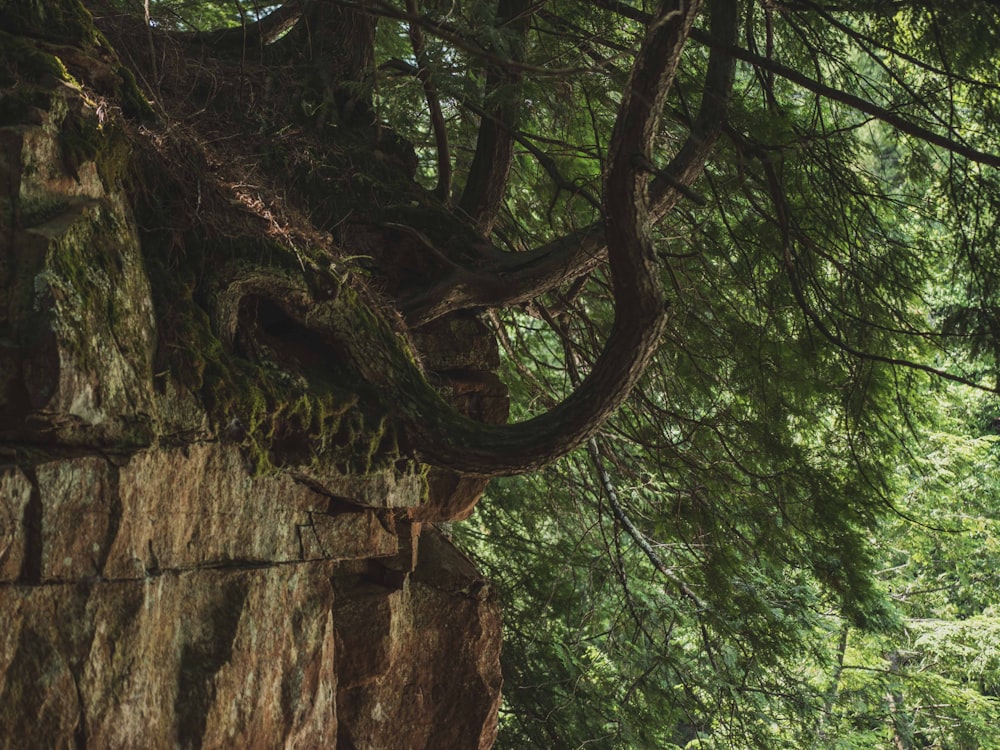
75, 277
212, 498
66, 21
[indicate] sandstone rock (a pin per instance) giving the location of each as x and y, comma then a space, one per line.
159, 591
197, 506
75, 282
394, 694
174, 510
450, 497
207, 658
15, 494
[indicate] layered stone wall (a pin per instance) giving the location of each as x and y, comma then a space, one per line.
157, 588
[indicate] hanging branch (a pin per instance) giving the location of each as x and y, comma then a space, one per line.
771, 67
608, 488
784, 222
887, 116
611, 495
607, 485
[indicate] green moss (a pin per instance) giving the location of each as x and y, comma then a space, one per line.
281, 414
65, 21
80, 140
22, 61
131, 99
83, 269
29, 73
29, 78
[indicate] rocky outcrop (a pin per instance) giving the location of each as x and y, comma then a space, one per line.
161, 584
152, 609
393, 692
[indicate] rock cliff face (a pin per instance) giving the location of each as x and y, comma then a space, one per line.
159, 587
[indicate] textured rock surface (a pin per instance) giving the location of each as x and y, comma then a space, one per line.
74, 283
216, 658
269, 655
157, 591
395, 681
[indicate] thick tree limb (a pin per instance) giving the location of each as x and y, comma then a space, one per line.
437, 431
263, 32
487, 179
511, 135
640, 312
515, 278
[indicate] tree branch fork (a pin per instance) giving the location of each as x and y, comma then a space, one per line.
359, 329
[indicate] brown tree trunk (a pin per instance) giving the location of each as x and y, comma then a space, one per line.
487, 181
339, 41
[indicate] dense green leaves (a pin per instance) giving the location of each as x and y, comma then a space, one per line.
822, 506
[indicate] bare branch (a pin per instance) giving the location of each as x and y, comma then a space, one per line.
611, 494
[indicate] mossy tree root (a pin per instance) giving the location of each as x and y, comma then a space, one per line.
361, 332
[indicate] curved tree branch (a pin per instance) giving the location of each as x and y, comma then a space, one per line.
441, 435
640, 310
515, 278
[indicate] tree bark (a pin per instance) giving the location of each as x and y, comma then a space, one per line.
438, 433
340, 42
514, 278
487, 181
